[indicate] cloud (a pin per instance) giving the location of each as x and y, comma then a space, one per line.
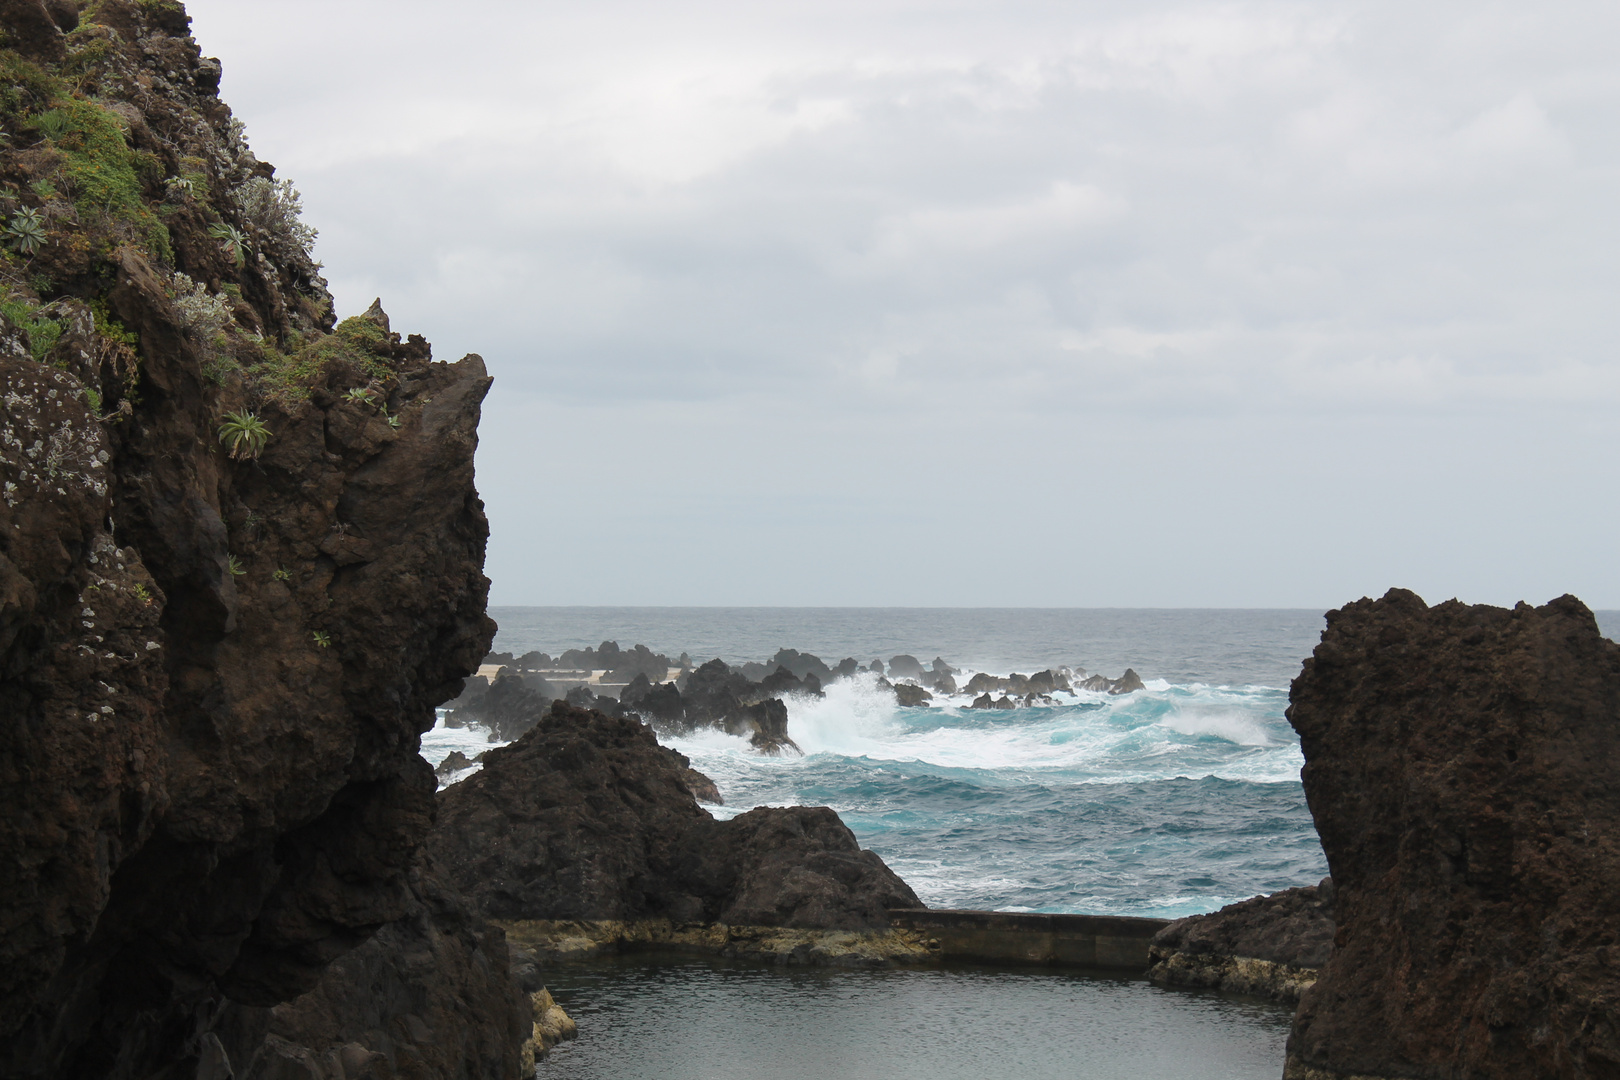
1019, 214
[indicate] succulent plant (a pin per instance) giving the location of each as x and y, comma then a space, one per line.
26, 230
323, 639
232, 238
394, 422
281, 574
245, 434
359, 396
234, 565
180, 185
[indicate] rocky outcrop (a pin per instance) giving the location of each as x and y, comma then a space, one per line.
428, 997
1269, 946
911, 696
1460, 764
588, 818
716, 696
1128, 683
240, 563
506, 708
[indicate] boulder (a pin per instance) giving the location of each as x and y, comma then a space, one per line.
802, 665
942, 683
453, 763
846, 668
912, 697
984, 683
511, 705
1460, 765
940, 667
1128, 683
1270, 946
587, 817
905, 667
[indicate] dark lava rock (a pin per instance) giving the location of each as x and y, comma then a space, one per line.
1128, 683
587, 817
802, 665
911, 696
982, 683
942, 682
1269, 946
905, 667
509, 707
1460, 764
453, 762
215, 663
876, 665
765, 724
796, 866
846, 668
940, 667
429, 997
783, 681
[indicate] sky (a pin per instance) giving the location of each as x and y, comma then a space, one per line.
973, 303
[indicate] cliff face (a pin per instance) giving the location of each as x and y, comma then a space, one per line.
240, 562
1460, 764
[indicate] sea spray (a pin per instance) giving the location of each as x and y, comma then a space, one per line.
1169, 801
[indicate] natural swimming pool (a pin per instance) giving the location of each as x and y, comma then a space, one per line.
684, 1018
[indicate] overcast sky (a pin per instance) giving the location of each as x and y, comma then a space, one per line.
987, 303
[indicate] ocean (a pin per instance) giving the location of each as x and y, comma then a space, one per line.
1174, 800
1170, 801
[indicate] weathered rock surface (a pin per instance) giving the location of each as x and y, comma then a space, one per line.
1268, 946
1460, 764
215, 659
588, 818
428, 997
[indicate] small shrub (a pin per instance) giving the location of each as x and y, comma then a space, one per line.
203, 314
231, 238
358, 396
394, 422
281, 574
26, 230
43, 331
142, 593
273, 207
245, 434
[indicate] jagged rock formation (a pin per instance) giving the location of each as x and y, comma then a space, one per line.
240, 563
428, 997
1460, 764
588, 818
1268, 946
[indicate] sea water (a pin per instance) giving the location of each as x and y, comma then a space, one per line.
1174, 800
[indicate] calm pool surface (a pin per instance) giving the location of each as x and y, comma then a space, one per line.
678, 1018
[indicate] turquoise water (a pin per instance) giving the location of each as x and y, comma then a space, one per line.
684, 1019
1172, 801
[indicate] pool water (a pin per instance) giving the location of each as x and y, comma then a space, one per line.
680, 1018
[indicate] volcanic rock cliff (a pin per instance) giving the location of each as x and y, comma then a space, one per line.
240, 562
1460, 764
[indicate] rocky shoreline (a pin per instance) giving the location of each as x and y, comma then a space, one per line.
746, 699
241, 560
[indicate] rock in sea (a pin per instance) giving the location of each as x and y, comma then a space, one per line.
1461, 764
